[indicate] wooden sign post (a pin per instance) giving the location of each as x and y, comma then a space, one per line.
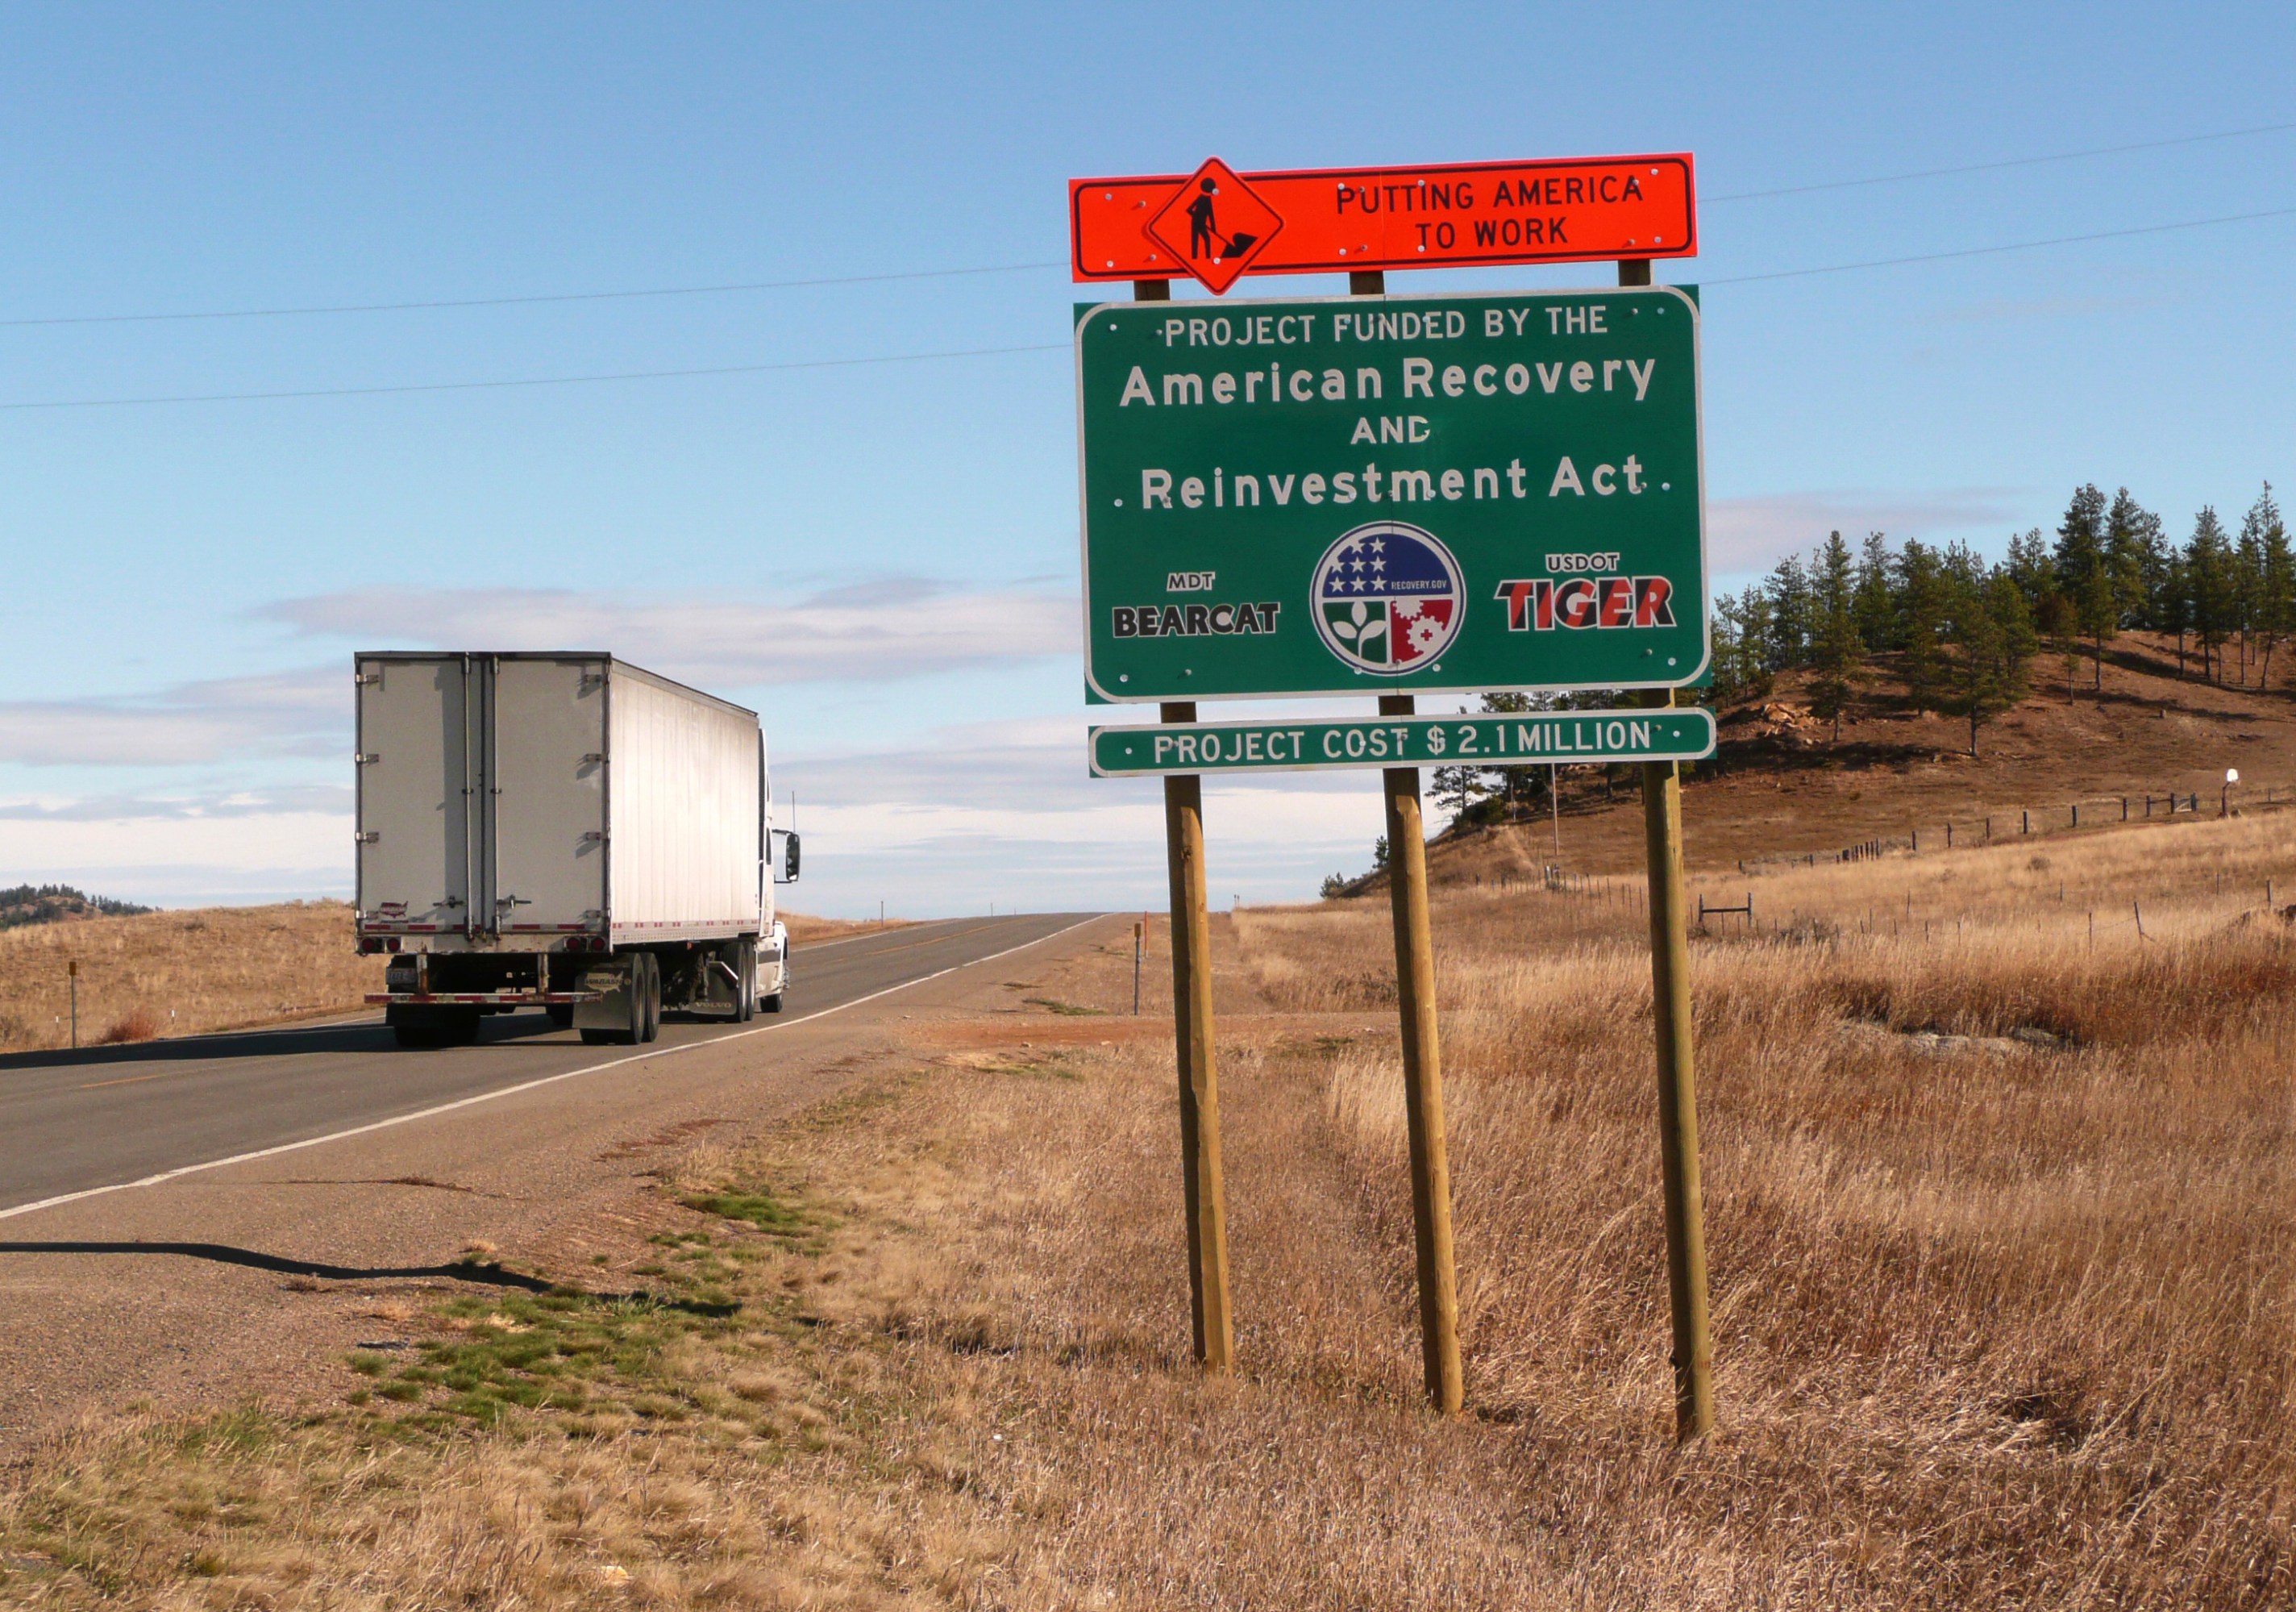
1692, 1351
1205, 1198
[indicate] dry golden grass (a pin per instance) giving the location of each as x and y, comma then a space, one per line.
180, 972
209, 968
1998, 1323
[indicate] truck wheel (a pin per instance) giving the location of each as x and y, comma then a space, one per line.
461, 1026
653, 1029
561, 1014
745, 964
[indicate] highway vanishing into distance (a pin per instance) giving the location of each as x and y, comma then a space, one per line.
75, 1122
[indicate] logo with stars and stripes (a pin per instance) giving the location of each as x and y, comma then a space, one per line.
1387, 598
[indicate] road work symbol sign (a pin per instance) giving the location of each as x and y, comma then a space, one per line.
1350, 495
1215, 224
1333, 219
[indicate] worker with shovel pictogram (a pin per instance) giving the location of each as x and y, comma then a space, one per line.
1205, 239
1215, 257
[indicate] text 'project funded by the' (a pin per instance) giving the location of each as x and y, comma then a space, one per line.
1431, 493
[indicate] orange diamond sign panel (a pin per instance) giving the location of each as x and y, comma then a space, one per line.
1215, 224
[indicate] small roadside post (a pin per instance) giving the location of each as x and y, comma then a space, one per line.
71, 972
1139, 944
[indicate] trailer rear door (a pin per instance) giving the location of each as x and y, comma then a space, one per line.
417, 756
546, 810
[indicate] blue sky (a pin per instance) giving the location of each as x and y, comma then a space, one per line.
883, 558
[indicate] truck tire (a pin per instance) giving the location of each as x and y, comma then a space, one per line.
561, 1014
461, 1026
651, 1029
745, 964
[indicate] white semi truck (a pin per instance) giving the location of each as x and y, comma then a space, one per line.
564, 831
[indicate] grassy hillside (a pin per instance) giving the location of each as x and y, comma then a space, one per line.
1783, 785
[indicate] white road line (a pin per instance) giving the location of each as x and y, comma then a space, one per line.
547, 1079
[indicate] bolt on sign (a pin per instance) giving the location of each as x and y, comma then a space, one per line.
1531, 739
1215, 224
1441, 494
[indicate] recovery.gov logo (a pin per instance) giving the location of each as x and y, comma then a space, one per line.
1388, 599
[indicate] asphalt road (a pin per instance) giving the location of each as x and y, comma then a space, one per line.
74, 1121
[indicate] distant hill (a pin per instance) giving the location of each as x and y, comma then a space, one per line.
23, 904
1783, 786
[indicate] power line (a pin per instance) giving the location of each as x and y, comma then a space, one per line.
630, 374
545, 298
1983, 168
1983, 251
983, 352
571, 296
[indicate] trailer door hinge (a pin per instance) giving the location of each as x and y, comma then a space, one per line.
372, 836
365, 758
596, 758
363, 680
594, 836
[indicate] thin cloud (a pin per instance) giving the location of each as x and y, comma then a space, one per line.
296, 714
294, 799
1754, 533
865, 632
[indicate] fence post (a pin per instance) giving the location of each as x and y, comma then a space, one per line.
2027, 825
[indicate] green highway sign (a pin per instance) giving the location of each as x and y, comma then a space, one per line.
1534, 738
1357, 495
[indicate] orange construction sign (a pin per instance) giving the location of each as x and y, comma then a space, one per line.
1218, 224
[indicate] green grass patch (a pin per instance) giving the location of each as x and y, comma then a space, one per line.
1067, 1009
762, 1210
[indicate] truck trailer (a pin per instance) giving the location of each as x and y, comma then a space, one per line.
563, 830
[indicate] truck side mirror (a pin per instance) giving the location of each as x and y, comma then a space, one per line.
790, 859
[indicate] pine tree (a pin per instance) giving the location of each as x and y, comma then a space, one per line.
2277, 592
2260, 603
2028, 565
2172, 605
2061, 622
1877, 603
2247, 585
2134, 552
1924, 610
1992, 631
2209, 589
1791, 612
1749, 621
2083, 576
1836, 654
1513, 784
